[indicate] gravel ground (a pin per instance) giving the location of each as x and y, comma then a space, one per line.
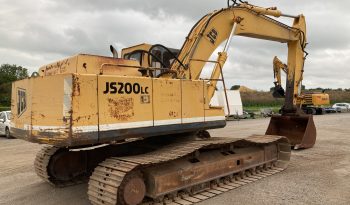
320, 175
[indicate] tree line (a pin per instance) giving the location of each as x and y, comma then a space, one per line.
8, 74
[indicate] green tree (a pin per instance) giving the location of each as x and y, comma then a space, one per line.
8, 74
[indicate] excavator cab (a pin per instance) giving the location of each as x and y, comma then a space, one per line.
156, 56
299, 129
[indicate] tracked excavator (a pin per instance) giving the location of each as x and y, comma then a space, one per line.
310, 102
136, 127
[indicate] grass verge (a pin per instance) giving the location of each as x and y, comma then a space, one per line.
4, 108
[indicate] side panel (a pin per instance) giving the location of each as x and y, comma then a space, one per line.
213, 113
192, 101
84, 109
167, 101
51, 107
20, 109
74, 109
124, 103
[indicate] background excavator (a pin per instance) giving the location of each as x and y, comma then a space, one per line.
136, 126
310, 102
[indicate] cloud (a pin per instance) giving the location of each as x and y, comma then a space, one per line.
36, 32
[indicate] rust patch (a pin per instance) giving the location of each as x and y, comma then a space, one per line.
173, 114
88, 117
76, 86
66, 119
122, 108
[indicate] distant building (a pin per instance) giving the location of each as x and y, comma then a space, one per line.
234, 101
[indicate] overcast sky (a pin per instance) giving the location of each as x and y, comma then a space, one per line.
37, 32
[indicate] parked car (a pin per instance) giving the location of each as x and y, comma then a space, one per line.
342, 107
330, 110
5, 121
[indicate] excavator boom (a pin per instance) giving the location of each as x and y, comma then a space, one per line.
251, 21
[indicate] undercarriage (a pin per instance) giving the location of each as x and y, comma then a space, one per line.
173, 170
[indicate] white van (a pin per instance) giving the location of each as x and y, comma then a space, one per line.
342, 107
5, 121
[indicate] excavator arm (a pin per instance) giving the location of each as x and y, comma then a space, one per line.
251, 21
278, 66
243, 20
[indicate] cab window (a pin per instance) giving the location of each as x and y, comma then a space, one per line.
136, 56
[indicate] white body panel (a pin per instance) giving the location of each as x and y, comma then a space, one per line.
6, 123
234, 101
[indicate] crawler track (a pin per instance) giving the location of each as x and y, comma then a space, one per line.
108, 179
44, 171
42, 161
220, 187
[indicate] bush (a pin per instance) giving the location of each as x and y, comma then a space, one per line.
8, 74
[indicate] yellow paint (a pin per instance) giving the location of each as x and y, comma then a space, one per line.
84, 100
121, 107
167, 99
193, 94
90, 64
20, 120
315, 99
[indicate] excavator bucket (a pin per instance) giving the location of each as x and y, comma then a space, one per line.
300, 130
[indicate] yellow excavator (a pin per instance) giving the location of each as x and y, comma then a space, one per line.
310, 102
135, 126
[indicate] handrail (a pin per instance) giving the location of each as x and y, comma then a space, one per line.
222, 79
